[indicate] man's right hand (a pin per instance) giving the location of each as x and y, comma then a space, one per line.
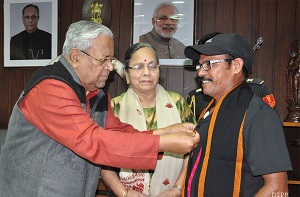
188, 127
179, 142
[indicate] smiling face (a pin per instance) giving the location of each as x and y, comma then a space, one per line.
164, 23
91, 72
30, 19
220, 78
144, 81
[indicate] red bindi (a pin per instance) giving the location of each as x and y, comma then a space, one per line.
145, 60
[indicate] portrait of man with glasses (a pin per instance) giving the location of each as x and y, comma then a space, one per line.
32, 43
165, 22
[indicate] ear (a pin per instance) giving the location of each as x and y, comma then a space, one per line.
127, 77
74, 54
238, 64
153, 21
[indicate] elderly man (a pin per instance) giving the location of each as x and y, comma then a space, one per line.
242, 151
62, 127
165, 22
32, 43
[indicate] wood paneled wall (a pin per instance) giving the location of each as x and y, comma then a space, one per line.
277, 21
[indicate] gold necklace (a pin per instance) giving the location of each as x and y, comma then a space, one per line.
152, 120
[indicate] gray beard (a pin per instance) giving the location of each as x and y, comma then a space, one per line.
162, 34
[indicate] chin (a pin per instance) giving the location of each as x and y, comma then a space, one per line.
98, 86
167, 35
206, 92
101, 86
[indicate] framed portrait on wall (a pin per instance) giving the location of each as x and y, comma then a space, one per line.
30, 38
168, 30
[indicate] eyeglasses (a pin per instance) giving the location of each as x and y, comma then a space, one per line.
103, 62
140, 67
207, 65
33, 17
174, 18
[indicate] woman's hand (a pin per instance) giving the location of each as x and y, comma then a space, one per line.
133, 193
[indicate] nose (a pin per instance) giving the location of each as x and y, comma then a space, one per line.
201, 72
146, 70
109, 66
168, 21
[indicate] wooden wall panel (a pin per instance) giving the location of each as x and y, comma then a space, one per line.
285, 23
65, 19
206, 21
277, 21
297, 20
244, 19
4, 98
175, 80
18, 84
225, 16
125, 22
190, 82
266, 14
121, 26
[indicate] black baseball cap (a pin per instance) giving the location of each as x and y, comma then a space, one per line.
232, 44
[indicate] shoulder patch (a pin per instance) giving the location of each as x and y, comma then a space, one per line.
255, 81
270, 100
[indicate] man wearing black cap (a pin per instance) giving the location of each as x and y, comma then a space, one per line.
242, 150
198, 101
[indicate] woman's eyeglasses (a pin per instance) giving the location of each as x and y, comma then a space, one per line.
141, 67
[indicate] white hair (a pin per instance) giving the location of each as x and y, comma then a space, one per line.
163, 4
80, 35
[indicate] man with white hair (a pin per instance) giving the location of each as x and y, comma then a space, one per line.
165, 22
62, 128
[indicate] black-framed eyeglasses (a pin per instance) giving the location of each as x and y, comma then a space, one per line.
153, 66
207, 65
103, 62
33, 17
